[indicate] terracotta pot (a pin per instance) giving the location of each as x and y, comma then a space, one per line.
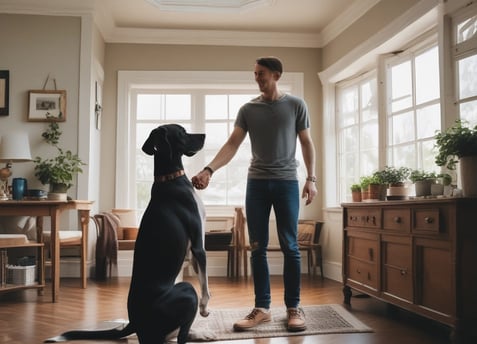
356, 196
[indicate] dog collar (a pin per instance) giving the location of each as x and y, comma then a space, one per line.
168, 177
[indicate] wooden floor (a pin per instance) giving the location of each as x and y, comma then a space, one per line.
26, 318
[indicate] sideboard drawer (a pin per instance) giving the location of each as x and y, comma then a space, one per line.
397, 219
365, 217
427, 220
363, 247
363, 273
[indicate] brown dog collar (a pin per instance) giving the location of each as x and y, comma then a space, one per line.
168, 177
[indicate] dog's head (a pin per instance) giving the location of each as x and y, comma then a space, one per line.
169, 142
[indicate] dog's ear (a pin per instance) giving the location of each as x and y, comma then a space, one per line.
149, 146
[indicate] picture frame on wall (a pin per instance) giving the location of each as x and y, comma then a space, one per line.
4, 92
47, 105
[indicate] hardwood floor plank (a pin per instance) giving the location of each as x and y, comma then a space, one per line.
28, 318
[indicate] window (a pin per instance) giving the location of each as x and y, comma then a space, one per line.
413, 107
410, 97
202, 103
465, 60
357, 131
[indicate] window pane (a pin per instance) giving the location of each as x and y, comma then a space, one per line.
467, 29
350, 139
427, 80
369, 135
348, 107
467, 72
401, 86
402, 128
369, 162
150, 106
404, 155
428, 121
468, 112
369, 97
178, 107
216, 106
216, 135
428, 154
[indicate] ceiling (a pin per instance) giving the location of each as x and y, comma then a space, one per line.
297, 23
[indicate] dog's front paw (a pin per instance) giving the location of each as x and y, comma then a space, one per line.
204, 311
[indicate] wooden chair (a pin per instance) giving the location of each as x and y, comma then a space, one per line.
308, 241
220, 236
72, 246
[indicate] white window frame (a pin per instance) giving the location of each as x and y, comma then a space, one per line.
131, 80
422, 44
461, 50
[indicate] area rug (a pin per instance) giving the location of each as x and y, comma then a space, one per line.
218, 326
320, 319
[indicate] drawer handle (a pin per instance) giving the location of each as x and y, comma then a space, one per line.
369, 276
403, 272
371, 254
371, 219
428, 219
397, 219
358, 271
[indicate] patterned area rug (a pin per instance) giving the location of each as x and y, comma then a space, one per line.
320, 319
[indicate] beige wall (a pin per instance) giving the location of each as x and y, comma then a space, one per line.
31, 47
200, 58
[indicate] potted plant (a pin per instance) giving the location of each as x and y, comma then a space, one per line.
422, 181
395, 179
459, 144
371, 187
58, 172
356, 192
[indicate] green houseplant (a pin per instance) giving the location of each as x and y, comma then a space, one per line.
60, 170
356, 192
422, 181
394, 178
371, 187
454, 143
458, 143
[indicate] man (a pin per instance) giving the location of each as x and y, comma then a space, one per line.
273, 121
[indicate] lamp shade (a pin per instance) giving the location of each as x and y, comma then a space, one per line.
15, 147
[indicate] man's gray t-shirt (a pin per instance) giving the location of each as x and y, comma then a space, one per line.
273, 128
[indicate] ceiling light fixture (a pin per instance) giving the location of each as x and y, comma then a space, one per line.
210, 5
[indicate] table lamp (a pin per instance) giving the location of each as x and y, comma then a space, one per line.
14, 147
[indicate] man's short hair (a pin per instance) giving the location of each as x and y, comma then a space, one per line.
272, 63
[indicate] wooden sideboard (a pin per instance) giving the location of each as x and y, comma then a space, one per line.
420, 255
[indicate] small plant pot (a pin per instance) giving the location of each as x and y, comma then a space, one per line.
356, 195
437, 189
423, 187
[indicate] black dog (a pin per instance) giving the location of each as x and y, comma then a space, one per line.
172, 223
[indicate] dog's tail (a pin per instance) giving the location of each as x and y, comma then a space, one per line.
114, 333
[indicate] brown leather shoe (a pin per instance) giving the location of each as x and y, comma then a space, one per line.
296, 320
256, 317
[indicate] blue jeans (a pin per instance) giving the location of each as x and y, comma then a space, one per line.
283, 196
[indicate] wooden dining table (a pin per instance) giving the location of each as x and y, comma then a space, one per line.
53, 209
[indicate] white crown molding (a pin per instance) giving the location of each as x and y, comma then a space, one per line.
355, 11
113, 34
213, 37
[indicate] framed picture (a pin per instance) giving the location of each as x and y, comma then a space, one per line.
47, 106
4, 92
